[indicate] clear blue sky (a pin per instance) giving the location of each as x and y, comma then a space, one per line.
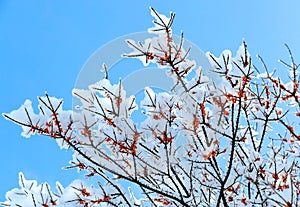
44, 44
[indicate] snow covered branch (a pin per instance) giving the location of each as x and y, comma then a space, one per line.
230, 142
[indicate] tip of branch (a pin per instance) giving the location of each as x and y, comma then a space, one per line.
5, 116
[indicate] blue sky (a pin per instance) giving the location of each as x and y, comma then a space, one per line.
44, 44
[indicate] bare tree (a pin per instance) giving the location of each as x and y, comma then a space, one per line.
227, 141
